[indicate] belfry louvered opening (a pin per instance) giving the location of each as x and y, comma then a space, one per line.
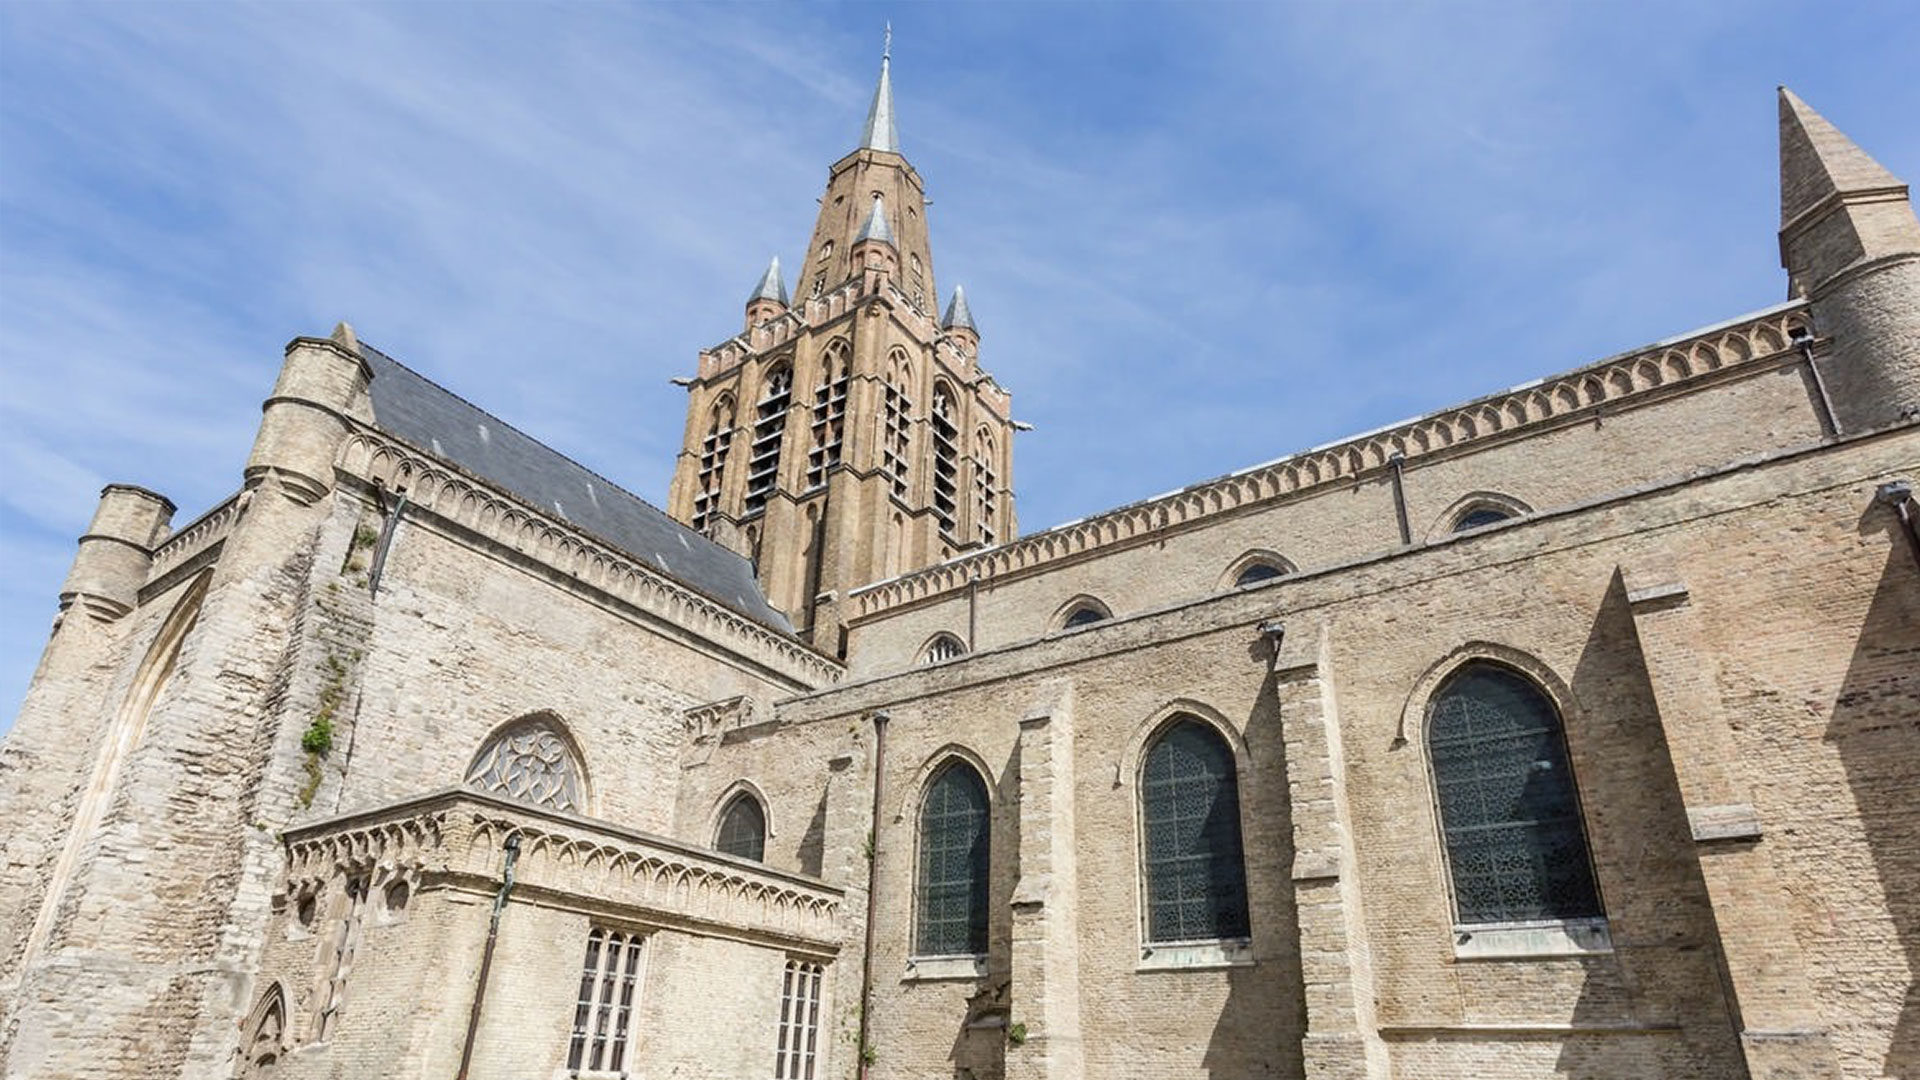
946, 459
713, 462
986, 496
896, 441
769, 430
829, 415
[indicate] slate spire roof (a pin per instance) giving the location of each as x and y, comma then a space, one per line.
876, 227
772, 286
880, 133
959, 315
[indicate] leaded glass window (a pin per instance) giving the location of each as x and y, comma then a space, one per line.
1256, 572
603, 1015
531, 762
743, 829
952, 897
1190, 805
1085, 614
1508, 806
799, 1031
1483, 515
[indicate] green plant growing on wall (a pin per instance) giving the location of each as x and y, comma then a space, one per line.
1017, 1034
317, 740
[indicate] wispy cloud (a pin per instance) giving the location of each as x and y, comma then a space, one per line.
1196, 236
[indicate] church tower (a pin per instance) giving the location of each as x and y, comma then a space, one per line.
848, 433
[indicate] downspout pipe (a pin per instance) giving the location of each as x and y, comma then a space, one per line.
1899, 495
864, 1045
1803, 338
486, 956
1398, 464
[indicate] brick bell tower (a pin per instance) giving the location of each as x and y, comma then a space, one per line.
849, 434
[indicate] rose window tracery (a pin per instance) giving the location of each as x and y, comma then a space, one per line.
530, 763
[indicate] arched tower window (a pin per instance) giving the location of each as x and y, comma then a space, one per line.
946, 457
1258, 572
896, 441
952, 893
943, 646
986, 496
1196, 879
1508, 806
1082, 611
713, 461
1478, 516
829, 414
531, 760
743, 829
769, 429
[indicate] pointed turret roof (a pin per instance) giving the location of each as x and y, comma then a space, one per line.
880, 133
772, 286
959, 315
877, 227
1816, 161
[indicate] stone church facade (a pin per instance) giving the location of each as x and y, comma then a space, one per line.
1573, 731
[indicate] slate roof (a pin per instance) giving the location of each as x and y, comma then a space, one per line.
410, 406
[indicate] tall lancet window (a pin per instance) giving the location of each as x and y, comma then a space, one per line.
713, 462
897, 440
954, 857
946, 457
1508, 805
986, 498
769, 429
829, 414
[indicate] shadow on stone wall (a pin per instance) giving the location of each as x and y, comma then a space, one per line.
1259, 1029
1875, 729
1665, 968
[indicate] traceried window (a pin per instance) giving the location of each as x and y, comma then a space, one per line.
944, 646
986, 493
799, 1034
529, 760
1196, 881
713, 462
743, 829
769, 430
1508, 805
603, 1015
896, 440
829, 415
952, 894
946, 458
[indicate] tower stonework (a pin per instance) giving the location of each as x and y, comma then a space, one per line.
1851, 245
849, 434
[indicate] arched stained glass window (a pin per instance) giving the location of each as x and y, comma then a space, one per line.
952, 897
1190, 806
743, 829
1508, 806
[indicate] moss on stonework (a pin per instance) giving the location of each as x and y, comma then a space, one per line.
317, 740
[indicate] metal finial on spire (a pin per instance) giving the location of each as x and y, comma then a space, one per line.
881, 133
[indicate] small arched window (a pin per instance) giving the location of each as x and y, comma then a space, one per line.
743, 829
530, 760
952, 893
1258, 572
1508, 806
1478, 516
1196, 878
944, 646
1084, 612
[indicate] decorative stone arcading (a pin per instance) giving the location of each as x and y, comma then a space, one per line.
202, 533
437, 488
459, 834
717, 716
1626, 378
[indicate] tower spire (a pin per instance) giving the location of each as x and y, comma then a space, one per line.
1818, 162
881, 133
772, 286
876, 227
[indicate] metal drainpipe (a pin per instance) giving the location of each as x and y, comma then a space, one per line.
873, 861
1804, 339
1398, 462
973, 591
387, 529
486, 956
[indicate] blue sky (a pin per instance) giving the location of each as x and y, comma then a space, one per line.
1195, 236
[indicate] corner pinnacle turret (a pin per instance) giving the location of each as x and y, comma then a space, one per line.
772, 286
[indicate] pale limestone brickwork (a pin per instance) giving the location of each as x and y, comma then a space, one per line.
339, 779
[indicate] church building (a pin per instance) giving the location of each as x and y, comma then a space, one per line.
1571, 731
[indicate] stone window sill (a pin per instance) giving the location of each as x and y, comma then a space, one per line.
1196, 955
1529, 940
936, 968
